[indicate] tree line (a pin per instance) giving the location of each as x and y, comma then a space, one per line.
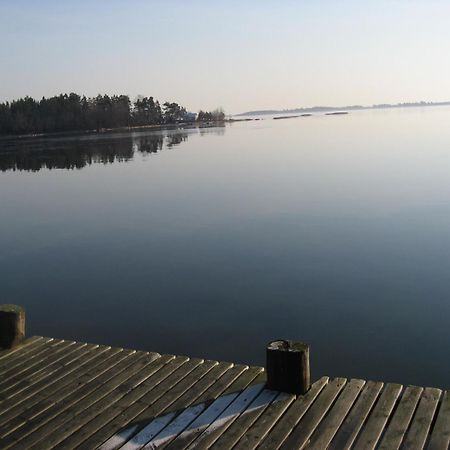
207, 116
72, 112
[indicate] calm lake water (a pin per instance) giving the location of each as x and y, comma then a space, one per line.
334, 230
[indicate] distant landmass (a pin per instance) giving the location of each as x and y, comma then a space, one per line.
340, 108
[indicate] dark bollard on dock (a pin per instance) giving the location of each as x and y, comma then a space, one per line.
12, 326
287, 366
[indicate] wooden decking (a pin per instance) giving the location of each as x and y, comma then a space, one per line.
65, 395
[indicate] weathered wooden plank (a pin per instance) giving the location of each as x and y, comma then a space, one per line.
440, 435
23, 362
129, 398
44, 411
202, 421
49, 387
38, 404
185, 438
422, 420
23, 348
14, 369
119, 430
34, 370
253, 375
112, 403
51, 422
32, 407
152, 412
22, 354
45, 374
233, 380
349, 430
48, 350
21, 390
206, 388
187, 375
160, 406
147, 433
242, 423
176, 426
310, 421
124, 419
210, 386
172, 394
372, 430
397, 427
258, 431
226, 417
104, 400
325, 432
292, 416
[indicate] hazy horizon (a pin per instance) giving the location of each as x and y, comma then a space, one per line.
241, 57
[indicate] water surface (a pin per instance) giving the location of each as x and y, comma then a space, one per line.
210, 242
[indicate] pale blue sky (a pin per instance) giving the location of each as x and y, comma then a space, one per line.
241, 55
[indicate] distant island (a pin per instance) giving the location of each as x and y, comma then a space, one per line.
326, 109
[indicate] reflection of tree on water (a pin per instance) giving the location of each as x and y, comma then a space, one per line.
218, 131
148, 144
73, 155
176, 139
78, 152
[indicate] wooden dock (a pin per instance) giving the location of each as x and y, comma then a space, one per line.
58, 394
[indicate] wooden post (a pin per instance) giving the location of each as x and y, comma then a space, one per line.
287, 366
12, 325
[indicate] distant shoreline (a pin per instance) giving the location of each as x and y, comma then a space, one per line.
341, 108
